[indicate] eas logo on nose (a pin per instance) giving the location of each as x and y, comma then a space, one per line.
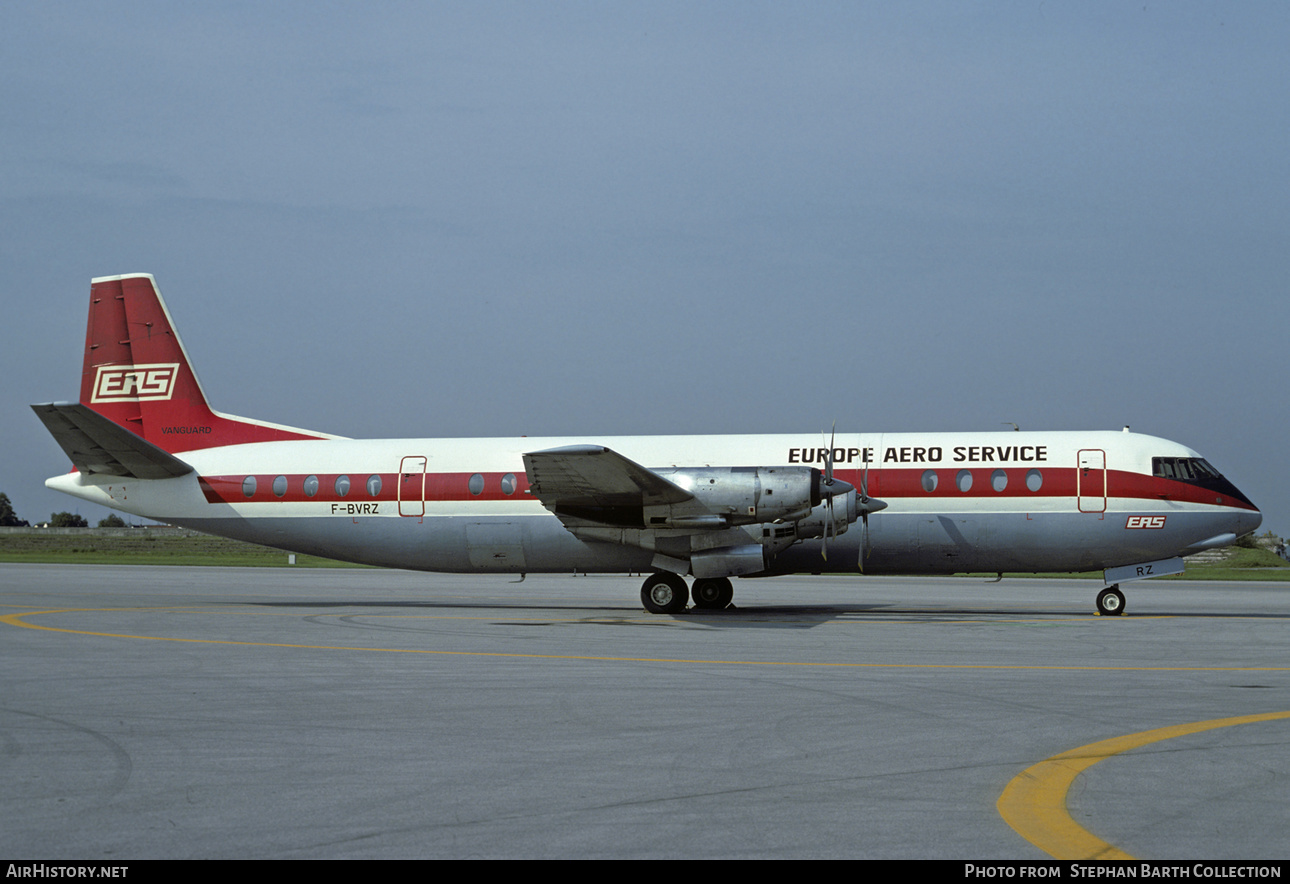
135, 383
1145, 522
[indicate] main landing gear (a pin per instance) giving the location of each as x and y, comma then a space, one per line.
666, 593
712, 593
1110, 601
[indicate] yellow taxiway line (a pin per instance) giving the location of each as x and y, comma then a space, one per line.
1034, 802
18, 619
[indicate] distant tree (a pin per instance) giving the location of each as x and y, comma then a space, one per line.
112, 521
67, 520
8, 518
1247, 542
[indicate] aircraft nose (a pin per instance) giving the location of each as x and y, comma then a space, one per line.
1249, 522
1248, 517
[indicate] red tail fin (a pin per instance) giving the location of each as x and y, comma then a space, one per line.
137, 374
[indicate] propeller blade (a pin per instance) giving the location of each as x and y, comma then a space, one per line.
828, 458
867, 505
826, 491
833, 432
864, 539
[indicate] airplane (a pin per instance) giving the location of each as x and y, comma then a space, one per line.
143, 439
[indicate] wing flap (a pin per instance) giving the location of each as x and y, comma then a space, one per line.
96, 444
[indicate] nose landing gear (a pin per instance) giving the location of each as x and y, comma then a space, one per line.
1110, 601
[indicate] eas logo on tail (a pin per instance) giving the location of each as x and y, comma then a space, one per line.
134, 383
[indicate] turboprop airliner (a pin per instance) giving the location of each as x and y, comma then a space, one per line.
143, 440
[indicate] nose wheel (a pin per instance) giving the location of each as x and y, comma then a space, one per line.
1110, 602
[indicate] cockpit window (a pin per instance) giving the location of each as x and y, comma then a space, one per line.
1197, 472
1184, 469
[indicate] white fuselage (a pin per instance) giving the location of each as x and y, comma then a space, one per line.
955, 501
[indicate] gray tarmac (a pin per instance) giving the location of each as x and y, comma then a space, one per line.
161, 712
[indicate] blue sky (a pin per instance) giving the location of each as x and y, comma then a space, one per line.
457, 219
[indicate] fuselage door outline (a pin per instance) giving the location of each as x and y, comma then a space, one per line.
1090, 481
412, 486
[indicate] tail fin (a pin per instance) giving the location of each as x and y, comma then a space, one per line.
137, 374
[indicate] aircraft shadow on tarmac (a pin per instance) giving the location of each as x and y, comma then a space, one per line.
797, 616
755, 616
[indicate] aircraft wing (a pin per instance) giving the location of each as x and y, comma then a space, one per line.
599, 495
99, 445
579, 476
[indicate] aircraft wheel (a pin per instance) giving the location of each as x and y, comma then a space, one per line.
1110, 602
713, 594
664, 593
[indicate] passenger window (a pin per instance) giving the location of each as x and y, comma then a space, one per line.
342, 486
998, 480
311, 486
1034, 480
248, 486
930, 480
373, 486
964, 480
280, 486
476, 484
508, 483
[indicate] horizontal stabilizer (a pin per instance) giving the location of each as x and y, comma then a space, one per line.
97, 444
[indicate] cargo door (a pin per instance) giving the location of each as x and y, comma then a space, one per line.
496, 546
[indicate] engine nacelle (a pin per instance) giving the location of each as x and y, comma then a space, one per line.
740, 495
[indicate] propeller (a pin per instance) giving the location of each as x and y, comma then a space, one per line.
829, 489
866, 505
